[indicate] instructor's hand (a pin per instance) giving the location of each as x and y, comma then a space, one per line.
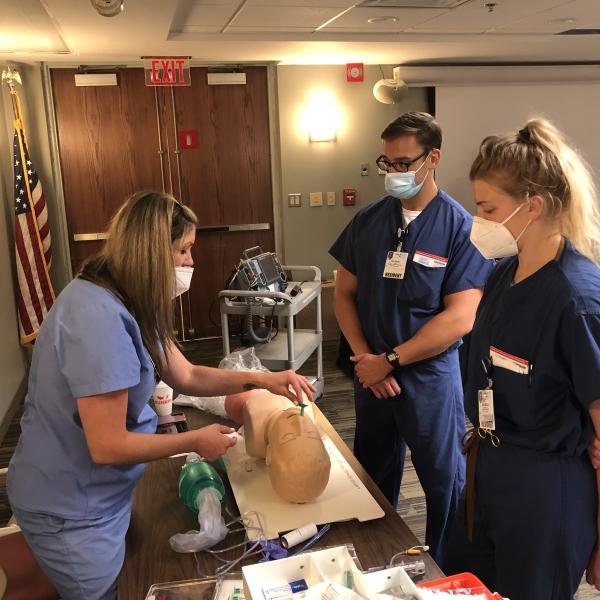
212, 441
289, 384
371, 368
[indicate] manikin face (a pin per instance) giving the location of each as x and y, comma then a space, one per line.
296, 456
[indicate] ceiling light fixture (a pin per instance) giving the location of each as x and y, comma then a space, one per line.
382, 19
108, 8
564, 21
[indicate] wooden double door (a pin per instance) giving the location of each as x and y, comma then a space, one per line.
116, 140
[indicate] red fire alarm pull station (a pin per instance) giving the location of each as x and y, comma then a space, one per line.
355, 72
188, 139
349, 197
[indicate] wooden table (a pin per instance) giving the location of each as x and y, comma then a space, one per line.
158, 513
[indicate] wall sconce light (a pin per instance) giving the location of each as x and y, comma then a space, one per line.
322, 132
322, 116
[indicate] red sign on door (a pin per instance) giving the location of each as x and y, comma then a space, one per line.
188, 139
355, 72
169, 71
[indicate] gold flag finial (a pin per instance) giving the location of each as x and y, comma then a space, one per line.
10, 77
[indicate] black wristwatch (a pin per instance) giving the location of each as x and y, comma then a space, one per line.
393, 359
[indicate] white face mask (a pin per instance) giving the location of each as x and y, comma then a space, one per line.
402, 185
183, 278
493, 239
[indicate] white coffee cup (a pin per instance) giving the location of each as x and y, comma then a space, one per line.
163, 399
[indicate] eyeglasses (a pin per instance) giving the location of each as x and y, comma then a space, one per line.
401, 166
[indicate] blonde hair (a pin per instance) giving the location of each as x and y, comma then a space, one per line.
537, 161
136, 264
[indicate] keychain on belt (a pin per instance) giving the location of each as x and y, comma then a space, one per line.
395, 265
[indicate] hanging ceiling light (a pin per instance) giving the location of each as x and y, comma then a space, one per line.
108, 8
390, 91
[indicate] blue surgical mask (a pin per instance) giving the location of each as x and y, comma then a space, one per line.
403, 185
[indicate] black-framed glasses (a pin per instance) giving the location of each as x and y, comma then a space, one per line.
401, 166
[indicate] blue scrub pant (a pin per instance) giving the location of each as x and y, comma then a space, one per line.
428, 416
82, 558
534, 523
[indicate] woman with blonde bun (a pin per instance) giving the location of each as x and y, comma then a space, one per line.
529, 528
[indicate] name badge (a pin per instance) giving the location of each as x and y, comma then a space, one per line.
487, 419
395, 265
430, 260
505, 360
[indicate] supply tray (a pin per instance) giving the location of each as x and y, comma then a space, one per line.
221, 588
207, 588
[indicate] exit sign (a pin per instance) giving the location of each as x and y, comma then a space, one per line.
167, 71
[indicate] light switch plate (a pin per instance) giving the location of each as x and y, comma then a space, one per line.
316, 198
330, 198
295, 200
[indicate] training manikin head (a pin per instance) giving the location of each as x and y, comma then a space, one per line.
296, 459
257, 410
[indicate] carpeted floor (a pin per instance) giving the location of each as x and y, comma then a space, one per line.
338, 406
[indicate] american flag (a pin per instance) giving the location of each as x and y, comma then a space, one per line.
35, 295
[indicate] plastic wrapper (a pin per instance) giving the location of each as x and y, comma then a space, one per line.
212, 526
240, 360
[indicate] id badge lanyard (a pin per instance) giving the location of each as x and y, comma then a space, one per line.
395, 264
401, 235
485, 398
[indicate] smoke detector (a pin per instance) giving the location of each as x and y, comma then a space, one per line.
108, 8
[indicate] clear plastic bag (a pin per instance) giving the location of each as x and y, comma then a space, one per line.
239, 360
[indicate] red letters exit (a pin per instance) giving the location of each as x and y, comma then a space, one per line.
169, 71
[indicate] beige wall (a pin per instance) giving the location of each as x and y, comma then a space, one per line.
13, 363
330, 166
468, 113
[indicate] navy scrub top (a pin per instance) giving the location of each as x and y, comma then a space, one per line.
552, 321
441, 261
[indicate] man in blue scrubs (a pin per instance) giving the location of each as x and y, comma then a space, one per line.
407, 290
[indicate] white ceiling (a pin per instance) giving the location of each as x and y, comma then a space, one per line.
300, 31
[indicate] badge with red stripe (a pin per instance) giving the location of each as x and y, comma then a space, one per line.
508, 361
430, 260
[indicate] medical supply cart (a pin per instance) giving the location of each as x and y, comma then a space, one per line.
291, 347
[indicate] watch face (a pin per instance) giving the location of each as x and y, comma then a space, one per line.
392, 356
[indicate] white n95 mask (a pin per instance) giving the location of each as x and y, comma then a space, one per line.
183, 278
494, 240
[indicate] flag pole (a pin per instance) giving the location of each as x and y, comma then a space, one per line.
10, 77
44, 298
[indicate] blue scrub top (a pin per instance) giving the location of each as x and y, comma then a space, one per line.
552, 321
391, 311
88, 344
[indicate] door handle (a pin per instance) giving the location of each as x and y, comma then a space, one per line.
92, 237
240, 227
89, 237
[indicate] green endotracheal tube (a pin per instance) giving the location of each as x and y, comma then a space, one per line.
196, 476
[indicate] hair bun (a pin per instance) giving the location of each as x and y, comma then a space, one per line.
524, 136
